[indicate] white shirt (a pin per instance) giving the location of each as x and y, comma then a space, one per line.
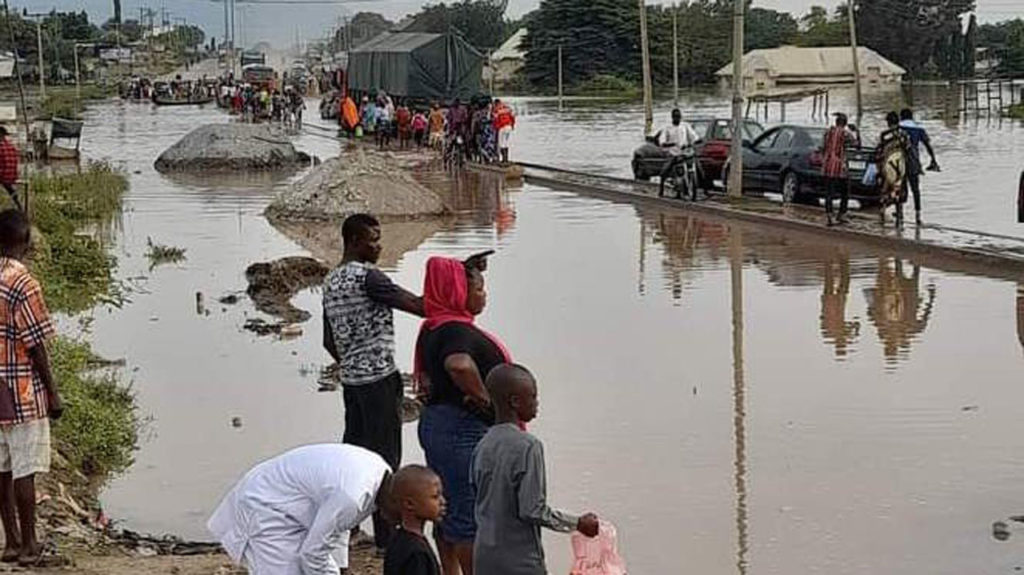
307, 499
679, 136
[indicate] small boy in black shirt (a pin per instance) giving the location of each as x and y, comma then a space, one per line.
417, 499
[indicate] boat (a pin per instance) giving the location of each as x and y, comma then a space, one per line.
510, 171
168, 101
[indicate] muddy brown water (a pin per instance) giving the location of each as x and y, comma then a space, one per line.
732, 398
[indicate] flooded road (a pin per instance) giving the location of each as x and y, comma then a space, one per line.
734, 399
980, 156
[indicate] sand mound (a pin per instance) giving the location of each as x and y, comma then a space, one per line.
231, 147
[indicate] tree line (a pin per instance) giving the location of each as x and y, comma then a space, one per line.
601, 38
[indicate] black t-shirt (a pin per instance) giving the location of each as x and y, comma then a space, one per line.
409, 554
450, 339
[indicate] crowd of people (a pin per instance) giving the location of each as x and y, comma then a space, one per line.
896, 169
264, 102
479, 131
483, 486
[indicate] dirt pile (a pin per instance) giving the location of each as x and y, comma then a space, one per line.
272, 285
358, 181
232, 147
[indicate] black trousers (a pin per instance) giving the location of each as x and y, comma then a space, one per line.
373, 420
914, 183
835, 186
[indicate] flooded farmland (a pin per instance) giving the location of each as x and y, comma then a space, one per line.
734, 398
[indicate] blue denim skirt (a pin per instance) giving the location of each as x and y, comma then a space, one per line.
448, 435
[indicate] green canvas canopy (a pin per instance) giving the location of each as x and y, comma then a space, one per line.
417, 65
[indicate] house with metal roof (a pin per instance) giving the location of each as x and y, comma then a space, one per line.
507, 60
774, 68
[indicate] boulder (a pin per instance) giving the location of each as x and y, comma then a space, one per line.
232, 147
357, 181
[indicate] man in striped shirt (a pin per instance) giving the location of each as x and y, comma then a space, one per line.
834, 167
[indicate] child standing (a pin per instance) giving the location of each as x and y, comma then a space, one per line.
417, 499
419, 128
508, 472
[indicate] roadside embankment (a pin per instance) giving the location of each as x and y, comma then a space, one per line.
232, 147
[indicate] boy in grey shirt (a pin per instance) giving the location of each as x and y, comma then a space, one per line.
508, 473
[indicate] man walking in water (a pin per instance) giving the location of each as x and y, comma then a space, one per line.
834, 168
359, 333
918, 135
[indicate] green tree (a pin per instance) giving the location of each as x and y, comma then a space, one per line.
821, 30
363, 27
909, 32
970, 47
769, 29
481, 22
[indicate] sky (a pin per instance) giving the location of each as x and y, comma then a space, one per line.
281, 24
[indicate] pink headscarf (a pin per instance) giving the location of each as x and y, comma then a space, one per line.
445, 290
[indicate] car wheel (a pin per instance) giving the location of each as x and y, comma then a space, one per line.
791, 188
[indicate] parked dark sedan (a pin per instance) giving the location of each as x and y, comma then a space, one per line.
712, 149
787, 160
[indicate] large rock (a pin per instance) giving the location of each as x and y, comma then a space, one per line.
230, 147
358, 181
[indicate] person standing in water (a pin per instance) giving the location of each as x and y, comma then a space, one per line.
508, 473
918, 136
835, 170
359, 333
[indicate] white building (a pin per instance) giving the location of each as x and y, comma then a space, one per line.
507, 60
796, 66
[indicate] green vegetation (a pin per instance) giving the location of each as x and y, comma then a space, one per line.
61, 102
1016, 111
74, 268
159, 254
99, 431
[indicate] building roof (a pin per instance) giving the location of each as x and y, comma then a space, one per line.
814, 62
511, 50
398, 42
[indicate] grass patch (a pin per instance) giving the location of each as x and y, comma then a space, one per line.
74, 268
159, 254
98, 433
62, 102
1016, 112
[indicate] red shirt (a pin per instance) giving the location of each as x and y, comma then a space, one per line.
8, 162
504, 118
836, 140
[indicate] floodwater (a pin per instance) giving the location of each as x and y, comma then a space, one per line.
734, 399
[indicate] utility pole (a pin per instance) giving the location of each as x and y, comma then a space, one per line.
78, 83
559, 77
675, 55
735, 183
645, 53
856, 60
42, 66
17, 74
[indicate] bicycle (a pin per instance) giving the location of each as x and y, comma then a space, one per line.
455, 154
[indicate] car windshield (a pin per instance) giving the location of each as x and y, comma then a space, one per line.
817, 136
701, 127
723, 130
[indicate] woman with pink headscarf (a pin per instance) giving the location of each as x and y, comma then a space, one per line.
453, 358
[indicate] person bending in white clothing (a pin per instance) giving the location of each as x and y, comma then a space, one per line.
290, 513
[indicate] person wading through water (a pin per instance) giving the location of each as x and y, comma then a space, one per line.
359, 333
834, 167
676, 137
891, 159
918, 136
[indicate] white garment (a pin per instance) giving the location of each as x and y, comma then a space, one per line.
504, 137
678, 137
289, 513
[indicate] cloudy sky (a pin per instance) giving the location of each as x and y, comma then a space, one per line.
280, 24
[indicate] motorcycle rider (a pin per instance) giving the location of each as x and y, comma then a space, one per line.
676, 137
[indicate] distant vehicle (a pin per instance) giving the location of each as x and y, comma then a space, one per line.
712, 149
252, 57
788, 160
258, 74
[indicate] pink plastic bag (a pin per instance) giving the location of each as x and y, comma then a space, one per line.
597, 556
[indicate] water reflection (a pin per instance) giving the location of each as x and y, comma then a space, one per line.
835, 329
1020, 314
896, 307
